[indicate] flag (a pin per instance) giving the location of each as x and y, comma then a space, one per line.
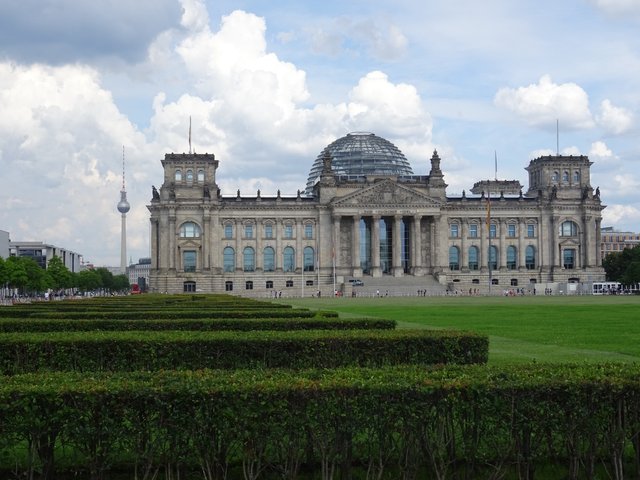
189, 133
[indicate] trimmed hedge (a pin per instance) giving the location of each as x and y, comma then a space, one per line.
84, 325
162, 314
128, 351
408, 422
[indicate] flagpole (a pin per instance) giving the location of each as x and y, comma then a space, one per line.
189, 134
489, 234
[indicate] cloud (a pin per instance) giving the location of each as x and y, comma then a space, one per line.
614, 119
543, 103
600, 152
381, 39
619, 7
621, 214
67, 31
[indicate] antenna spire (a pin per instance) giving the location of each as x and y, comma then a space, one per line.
495, 154
123, 168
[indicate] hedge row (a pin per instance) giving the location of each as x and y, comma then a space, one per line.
163, 313
408, 422
128, 351
85, 325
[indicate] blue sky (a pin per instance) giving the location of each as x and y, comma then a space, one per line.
268, 84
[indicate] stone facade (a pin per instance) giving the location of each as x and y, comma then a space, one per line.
370, 226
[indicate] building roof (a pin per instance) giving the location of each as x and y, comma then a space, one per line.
360, 153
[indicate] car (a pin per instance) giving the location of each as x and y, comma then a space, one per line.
356, 282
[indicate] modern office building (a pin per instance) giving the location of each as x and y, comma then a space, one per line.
139, 273
365, 215
616, 241
42, 253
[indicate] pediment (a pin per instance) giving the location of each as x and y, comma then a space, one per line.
385, 194
569, 242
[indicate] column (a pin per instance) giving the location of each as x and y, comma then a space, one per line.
355, 264
259, 245
554, 261
155, 254
586, 244
298, 234
598, 243
464, 253
279, 247
522, 230
375, 246
416, 245
336, 240
484, 246
172, 240
205, 262
239, 233
502, 258
434, 242
396, 255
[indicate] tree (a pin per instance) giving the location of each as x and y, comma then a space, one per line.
106, 278
59, 273
617, 264
120, 283
89, 280
17, 273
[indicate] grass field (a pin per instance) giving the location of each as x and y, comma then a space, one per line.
521, 329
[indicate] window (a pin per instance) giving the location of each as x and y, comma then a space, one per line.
473, 258
576, 176
555, 177
268, 231
494, 281
229, 259
493, 229
178, 175
189, 287
568, 229
189, 260
228, 231
200, 175
493, 257
248, 231
512, 255
530, 257
228, 286
565, 177
248, 285
189, 230
249, 259
569, 258
511, 230
189, 176
269, 259
454, 258
308, 231
288, 231
473, 230
453, 230
268, 284
308, 283
531, 231
308, 259
289, 260
514, 282
475, 281
289, 283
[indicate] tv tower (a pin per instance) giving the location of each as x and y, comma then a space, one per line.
123, 208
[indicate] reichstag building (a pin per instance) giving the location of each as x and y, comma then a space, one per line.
365, 221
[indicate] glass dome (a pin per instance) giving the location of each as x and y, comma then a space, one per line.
360, 153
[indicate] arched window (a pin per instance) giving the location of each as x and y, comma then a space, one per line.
493, 257
190, 230
454, 258
200, 175
249, 259
555, 176
289, 259
565, 177
229, 259
530, 257
568, 229
178, 175
576, 176
473, 258
189, 176
512, 255
269, 256
308, 259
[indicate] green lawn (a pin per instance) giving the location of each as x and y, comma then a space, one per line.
521, 329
